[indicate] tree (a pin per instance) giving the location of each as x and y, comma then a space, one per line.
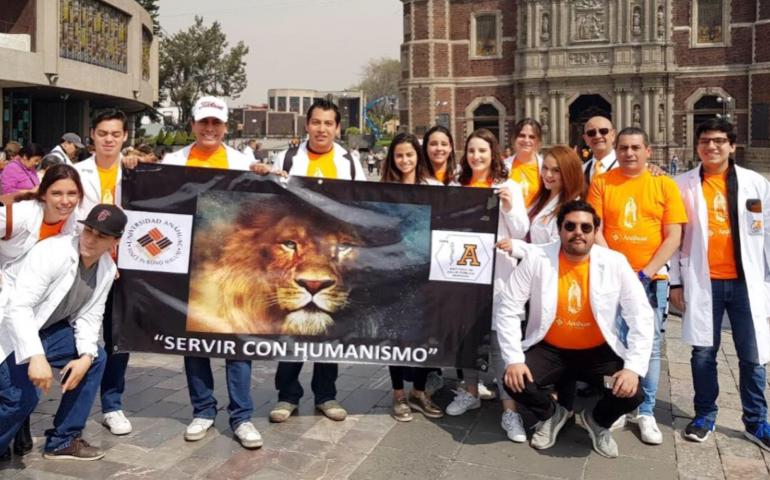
152, 8
197, 62
379, 78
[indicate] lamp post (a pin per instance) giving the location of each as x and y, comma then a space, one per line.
727, 106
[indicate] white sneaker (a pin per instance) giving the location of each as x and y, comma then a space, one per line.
197, 429
619, 424
248, 435
485, 393
513, 426
117, 423
649, 429
462, 402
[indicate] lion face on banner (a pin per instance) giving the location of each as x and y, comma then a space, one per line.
280, 271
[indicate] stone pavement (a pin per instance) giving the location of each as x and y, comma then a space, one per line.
370, 445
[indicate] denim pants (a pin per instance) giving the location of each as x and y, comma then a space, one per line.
657, 290
18, 396
731, 296
200, 383
114, 379
322, 384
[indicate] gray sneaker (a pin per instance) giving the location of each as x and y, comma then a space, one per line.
547, 430
601, 437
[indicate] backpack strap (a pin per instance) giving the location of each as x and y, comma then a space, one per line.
288, 159
352, 165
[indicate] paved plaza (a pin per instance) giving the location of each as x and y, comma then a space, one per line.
371, 445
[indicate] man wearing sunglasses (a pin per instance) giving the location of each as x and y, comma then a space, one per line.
575, 289
642, 219
722, 267
599, 135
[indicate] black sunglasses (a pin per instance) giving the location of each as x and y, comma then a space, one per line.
584, 227
602, 131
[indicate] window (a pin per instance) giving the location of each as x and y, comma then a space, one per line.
306, 101
294, 104
710, 17
760, 121
272, 103
281, 104
486, 35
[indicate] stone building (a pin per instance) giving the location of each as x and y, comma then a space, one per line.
62, 59
663, 65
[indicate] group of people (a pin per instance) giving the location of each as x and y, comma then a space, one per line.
586, 255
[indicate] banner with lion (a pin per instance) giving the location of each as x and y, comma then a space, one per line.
228, 264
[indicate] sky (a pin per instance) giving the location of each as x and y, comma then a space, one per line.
315, 44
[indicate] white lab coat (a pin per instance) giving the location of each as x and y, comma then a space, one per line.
613, 285
92, 187
42, 281
690, 266
543, 227
300, 162
27, 218
235, 159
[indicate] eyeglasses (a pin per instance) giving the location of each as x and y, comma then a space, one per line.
602, 131
584, 227
718, 141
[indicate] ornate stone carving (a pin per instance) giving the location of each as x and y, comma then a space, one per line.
589, 58
545, 27
545, 120
661, 19
636, 116
589, 20
636, 20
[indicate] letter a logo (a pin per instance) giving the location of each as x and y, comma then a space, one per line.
469, 257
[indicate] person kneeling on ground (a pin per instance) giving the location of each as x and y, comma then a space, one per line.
575, 288
53, 317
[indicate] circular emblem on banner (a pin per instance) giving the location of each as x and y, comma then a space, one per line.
154, 241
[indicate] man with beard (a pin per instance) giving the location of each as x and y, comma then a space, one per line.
575, 289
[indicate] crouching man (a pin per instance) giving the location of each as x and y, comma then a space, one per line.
52, 319
575, 289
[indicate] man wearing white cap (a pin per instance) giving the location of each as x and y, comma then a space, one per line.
209, 125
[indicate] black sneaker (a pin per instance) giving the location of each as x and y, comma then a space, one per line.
759, 434
78, 449
699, 429
5, 456
22, 442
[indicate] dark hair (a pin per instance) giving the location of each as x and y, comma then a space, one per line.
32, 150
390, 172
451, 163
633, 131
325, 105
144, 149
109, 114
576, 206
572, 178
523, 123
55, 173
497, 168
717, 125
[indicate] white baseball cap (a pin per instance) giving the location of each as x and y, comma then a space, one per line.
207, 107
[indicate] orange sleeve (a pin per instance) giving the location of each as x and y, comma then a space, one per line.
594, 197
673, 210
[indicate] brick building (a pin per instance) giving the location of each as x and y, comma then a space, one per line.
663, 65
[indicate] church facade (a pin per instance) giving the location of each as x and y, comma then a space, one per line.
661, 65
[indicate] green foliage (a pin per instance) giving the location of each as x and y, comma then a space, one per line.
160, 139
379, 78
197, 62
168, 140
352, 131
180, 139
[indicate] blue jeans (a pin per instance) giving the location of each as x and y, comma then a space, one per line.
322, 383
114, 379
731, 296
18, 397
200, 383
658, 290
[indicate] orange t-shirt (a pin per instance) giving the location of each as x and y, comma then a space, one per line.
720, 242
574, 327
321, 164
481, 184
50, 230
108, 180
199, 158
528, 177
634, 210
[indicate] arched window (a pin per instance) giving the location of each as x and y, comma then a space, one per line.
487, 116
